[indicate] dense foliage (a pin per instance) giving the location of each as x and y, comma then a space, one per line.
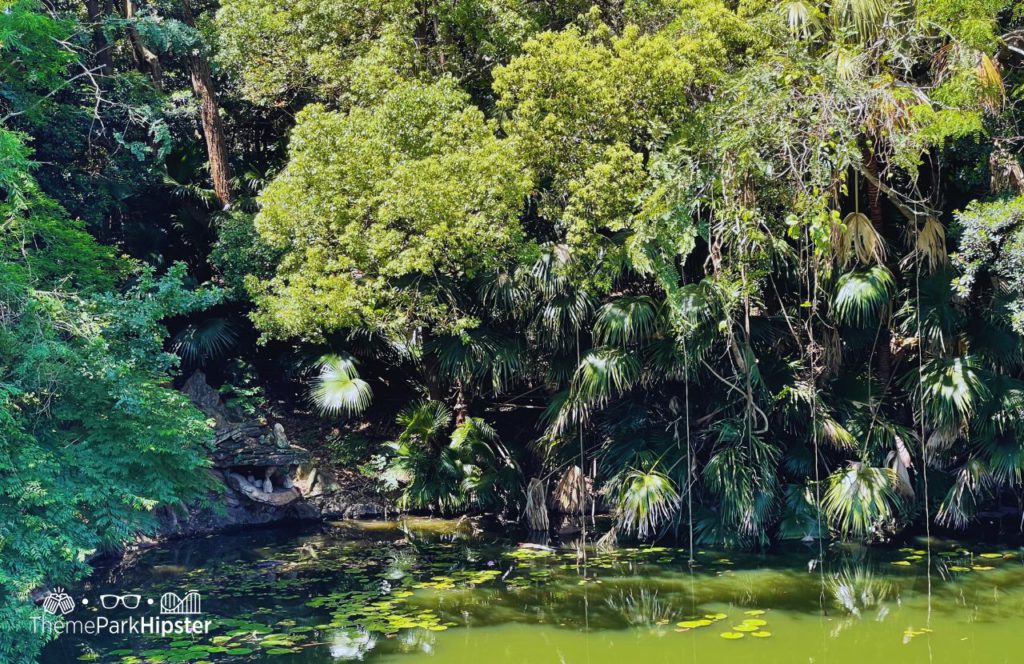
92, 437
743, 271
751, 199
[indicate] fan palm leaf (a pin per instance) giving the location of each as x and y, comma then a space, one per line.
860, 499
949, 389
862, 295
646, 501
603, 373
338, 388
863, 17
970, 484
626, 320
209, 339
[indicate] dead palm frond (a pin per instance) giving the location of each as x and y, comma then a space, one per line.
1005, 172
901, 462
931, 243
570, 495
857, 238
993, 88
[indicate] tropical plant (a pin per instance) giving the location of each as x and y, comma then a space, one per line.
861, 501
645, 502
338, 389
447, 470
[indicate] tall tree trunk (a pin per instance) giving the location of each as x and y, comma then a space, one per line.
883, 353
213, 128
97, 13
146, 60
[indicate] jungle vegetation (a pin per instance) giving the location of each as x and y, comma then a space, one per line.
735, 271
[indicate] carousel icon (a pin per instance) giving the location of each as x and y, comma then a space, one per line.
172, 604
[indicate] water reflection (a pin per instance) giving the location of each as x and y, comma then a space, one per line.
452, 591
351, 644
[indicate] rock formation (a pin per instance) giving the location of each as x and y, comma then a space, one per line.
292, 487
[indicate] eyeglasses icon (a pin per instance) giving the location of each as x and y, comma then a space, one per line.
127, 601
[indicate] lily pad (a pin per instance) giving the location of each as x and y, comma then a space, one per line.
732, 636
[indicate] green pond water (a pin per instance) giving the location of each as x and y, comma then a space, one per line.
421, 590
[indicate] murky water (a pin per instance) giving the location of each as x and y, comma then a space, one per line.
430, 591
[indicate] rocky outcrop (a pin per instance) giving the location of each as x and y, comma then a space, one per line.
261, 477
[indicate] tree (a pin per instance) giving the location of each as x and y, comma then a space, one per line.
380, 207
92, 438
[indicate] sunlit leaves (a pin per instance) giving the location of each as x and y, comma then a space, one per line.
864, 17
338, 388
861, 296
949, 389
645, 502
441, 468
380, 209
860, 500
603, 373
625, 320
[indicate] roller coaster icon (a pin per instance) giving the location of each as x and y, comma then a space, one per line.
189, 605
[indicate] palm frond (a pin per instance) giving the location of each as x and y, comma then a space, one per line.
970, 484
860, 500
338, 388
862, 295
931, 243
572, 491
646, 501
603, 373
856, 238
949, 390
802, 18
505, 294
846, 62
626, 320
991, 80
863, 17
480, 356
423, 422
742, 475
186, 190
209, 339
562, 315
